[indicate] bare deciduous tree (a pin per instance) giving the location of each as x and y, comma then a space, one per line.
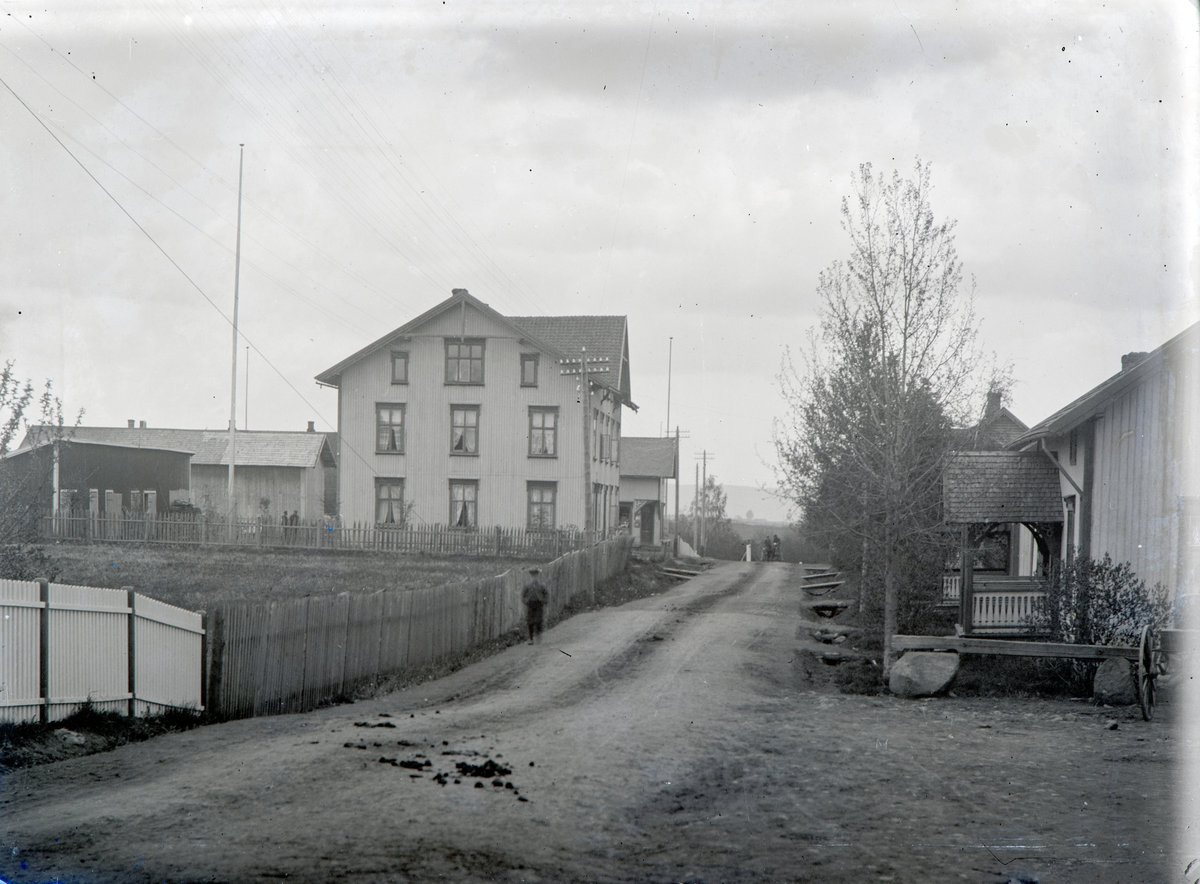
21, 484
891, 368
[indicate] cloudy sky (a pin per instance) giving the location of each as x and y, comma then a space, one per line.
679, 163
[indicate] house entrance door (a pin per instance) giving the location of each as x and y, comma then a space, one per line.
649, 512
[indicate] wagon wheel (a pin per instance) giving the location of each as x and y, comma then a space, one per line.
1146, 671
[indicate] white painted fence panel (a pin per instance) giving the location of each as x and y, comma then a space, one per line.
86, 656
89, 649
20, 650
168, 656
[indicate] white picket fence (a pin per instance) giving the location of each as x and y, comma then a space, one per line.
62, 646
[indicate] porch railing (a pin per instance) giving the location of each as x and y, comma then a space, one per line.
1005, 604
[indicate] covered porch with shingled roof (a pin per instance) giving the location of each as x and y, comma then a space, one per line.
1008, 509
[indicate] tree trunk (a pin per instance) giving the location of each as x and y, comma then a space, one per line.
890, 605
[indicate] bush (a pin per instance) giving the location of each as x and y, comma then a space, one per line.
859, 677
1099, 603
26, 561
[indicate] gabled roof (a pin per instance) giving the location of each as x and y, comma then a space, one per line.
1092, 403
648, 457
560, 336
259, 448
1001, 486
606, 337
997, 430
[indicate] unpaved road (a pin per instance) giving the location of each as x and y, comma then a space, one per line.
676, 738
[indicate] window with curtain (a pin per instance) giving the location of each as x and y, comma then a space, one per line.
389, 502
464, 429
463, 498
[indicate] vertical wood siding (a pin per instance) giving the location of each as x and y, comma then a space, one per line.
20, 650
294, 655
168, 659
87, 652
1135, 511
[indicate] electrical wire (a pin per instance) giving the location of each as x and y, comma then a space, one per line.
176, 265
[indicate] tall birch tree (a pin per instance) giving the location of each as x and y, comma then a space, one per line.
872, 399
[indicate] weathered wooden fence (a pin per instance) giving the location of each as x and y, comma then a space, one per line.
62, 646
197, 530
291, 656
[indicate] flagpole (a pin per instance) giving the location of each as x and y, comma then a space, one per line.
237, 267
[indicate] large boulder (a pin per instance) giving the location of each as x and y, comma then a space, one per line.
923, 673
1114, 683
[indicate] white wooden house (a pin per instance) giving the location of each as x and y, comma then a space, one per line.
646, 465
1125, 453
468, 418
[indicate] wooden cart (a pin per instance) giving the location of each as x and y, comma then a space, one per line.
1151, 655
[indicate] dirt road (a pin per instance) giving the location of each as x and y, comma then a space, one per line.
677, 738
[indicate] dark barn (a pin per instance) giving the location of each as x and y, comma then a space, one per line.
100, 478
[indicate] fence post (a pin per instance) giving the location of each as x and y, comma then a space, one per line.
44, 656
216, 653
132, 655
497, 554
204, 660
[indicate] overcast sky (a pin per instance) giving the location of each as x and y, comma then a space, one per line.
681, 164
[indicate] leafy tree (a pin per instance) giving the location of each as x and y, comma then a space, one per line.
721, 541
889, 371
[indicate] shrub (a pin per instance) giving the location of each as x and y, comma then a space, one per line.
26, 561
1098, 603
859, 677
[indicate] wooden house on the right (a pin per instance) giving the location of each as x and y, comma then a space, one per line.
1113, 473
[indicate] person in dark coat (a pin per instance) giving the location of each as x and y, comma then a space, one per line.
536, 596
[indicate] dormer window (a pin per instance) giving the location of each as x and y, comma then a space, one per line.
464, 361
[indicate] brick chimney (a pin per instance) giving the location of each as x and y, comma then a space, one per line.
994, 400
1129, 360
312, 427
141, 425
132, 423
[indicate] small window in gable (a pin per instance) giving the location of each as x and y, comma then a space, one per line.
529, 369
464, 361
399, 367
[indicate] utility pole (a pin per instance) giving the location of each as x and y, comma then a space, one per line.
704, 501
237, 267
585, 396
696, 515
585, 368
676, 552
246, 404
670, 349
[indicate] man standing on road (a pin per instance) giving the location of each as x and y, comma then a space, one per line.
535, 596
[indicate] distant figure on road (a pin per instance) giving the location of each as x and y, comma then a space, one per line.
775, 548
535, 596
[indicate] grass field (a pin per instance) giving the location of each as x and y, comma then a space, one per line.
197, 579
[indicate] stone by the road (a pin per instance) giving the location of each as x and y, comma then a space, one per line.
923, 673
1114, 683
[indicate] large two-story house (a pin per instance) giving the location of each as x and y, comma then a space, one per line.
470, 419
